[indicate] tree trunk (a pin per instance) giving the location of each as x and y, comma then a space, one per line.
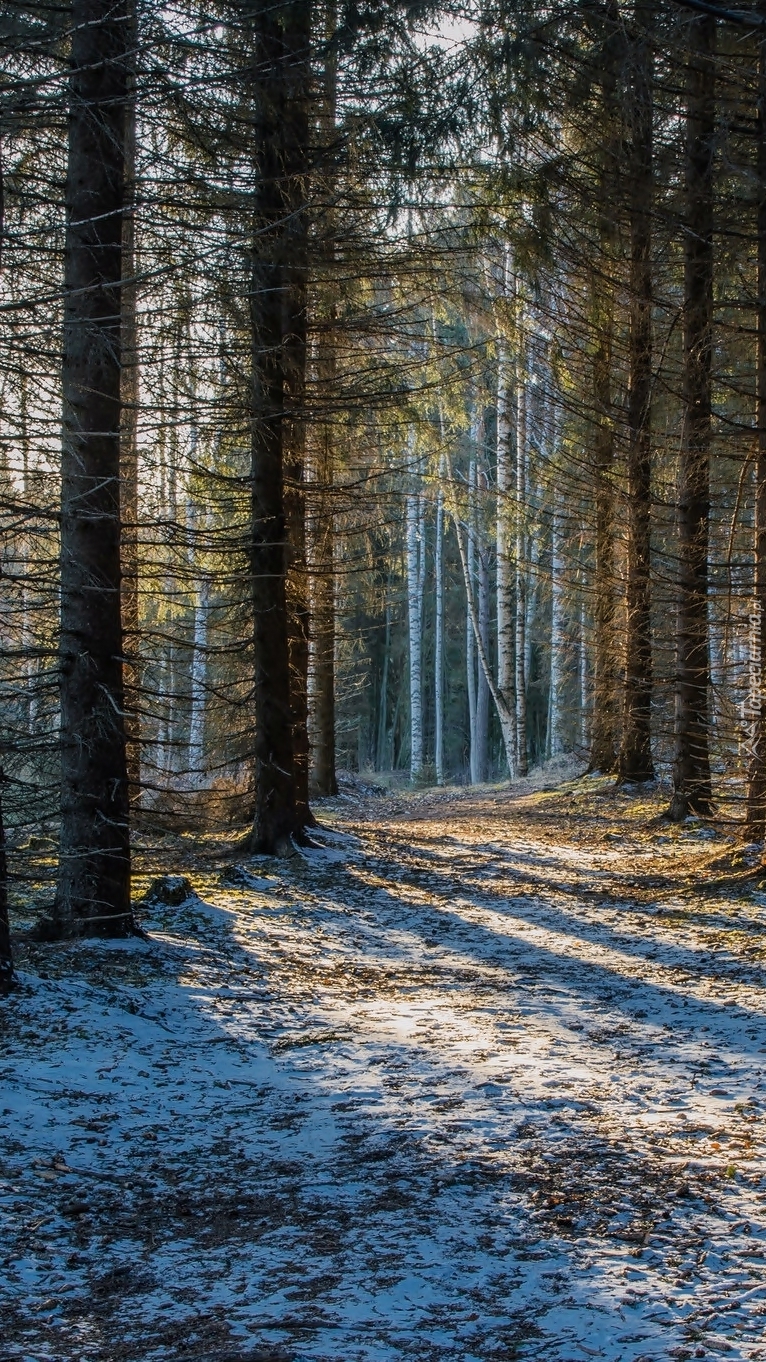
320, 525
196, 751
439, 634
756, 792
129, 432
278, 350
6, 953
691, 766
604, 735
521, 564
480, 589
583, 671
470, 624
603, 752
503, 533
297, 28
322, 642
556, 742
635, 762
481, 763
382, 743
415, 626
93, 894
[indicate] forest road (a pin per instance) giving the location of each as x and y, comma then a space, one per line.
483, 1077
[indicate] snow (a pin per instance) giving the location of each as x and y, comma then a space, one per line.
475, 1082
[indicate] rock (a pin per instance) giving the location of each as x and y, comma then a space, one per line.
76, 1208
237, 877
170, 890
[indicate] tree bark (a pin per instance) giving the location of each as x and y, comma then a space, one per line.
604, 736
278, 350
196, 748
756, 791
93, 895
415, 631
480, 612
603, 752
320, 524
481, 763
471, 619
504, 534
296, 133
691, 767
129, 430
521, 562
439, 633
6, 952
382, 745
582, 667
558, 640
635, 762
322, 642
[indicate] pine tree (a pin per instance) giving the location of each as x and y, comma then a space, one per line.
93, 896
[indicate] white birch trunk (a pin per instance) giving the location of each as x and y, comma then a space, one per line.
503, 537
480, 766
480, 589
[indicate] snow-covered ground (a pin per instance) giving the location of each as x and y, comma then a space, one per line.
484, 1079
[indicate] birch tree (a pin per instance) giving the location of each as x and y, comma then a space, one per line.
504, 523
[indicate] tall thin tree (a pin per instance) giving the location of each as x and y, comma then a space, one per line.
320, 523
93, 895
691, 766
635, 761
756, 793
275, 85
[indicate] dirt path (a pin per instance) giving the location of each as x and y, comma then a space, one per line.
484, 1079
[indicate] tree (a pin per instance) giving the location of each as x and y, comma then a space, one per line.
93, 895
277, 316
6, 952
603, 751
691, 765
756, 793
320, 524
635, 761
129, 394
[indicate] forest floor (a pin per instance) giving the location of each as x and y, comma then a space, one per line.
483, 1079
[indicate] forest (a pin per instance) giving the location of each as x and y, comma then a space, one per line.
382, 680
